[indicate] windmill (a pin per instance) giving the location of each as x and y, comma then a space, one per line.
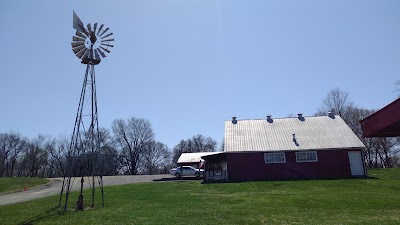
90, 45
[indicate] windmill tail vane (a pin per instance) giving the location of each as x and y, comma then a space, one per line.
91, 45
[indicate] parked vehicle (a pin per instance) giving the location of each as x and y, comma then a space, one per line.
186, 171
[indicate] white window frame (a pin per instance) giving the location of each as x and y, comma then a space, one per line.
274, 157
304, 156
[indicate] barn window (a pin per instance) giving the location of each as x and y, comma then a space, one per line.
274, 157
306, 157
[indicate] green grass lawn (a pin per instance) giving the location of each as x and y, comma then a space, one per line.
352, 201
12, 184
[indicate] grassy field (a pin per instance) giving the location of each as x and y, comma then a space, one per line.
353, 201
11, 184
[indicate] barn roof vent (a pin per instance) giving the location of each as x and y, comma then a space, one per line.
234, 121
300, 116
331, 115
269, 118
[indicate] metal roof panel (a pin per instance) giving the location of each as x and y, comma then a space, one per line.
319, 132
193, 157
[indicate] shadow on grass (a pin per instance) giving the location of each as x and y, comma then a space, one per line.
179, 179
368, 177
53, 212
249, 180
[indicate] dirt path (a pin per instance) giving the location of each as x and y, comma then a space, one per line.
54, 187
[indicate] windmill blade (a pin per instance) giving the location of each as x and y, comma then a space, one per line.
77, 44
86, 54
90, 35
107, 35
108, 51
82, 35
75, 38
81, 52
108, 40
96, 55
77, 49
101, 53
89, 28
77, 23
101, 27
107, 45
104, 31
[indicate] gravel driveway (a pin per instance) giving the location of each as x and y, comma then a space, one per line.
54, 186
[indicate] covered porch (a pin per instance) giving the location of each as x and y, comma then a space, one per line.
215, 167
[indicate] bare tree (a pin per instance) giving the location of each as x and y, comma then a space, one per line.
197, 143
12, 146
108, 157
222, 147
181, 147
387, 150
58, 150
35, 158
132, 136
336, 101
354, 116
397, 88
379, 152
203, 144
156, 158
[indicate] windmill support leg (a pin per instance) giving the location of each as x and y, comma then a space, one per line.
102, 191
93, 188
67, 193
80, 202
61, 193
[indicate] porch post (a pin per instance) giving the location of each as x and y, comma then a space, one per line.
205, 172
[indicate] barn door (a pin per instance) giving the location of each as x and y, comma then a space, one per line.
356, 163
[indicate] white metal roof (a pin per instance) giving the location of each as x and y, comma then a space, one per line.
317, 133
194, 157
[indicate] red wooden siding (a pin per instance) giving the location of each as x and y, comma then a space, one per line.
331, 164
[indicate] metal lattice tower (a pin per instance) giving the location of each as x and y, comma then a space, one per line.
84, 155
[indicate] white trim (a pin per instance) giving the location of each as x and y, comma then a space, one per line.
275, 156
308, 156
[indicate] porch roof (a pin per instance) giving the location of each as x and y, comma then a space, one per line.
193, 157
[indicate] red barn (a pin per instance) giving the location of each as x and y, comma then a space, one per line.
383, 123
321, 147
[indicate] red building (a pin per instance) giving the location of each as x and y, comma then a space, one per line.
383, 123
321, 147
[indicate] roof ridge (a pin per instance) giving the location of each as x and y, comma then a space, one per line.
274, 118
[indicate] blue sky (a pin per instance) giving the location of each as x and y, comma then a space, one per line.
187, 66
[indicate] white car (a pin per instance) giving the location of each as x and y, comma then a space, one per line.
186, 171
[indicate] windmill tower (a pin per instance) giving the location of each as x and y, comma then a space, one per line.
84, 158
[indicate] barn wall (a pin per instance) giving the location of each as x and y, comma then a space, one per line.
251, 166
